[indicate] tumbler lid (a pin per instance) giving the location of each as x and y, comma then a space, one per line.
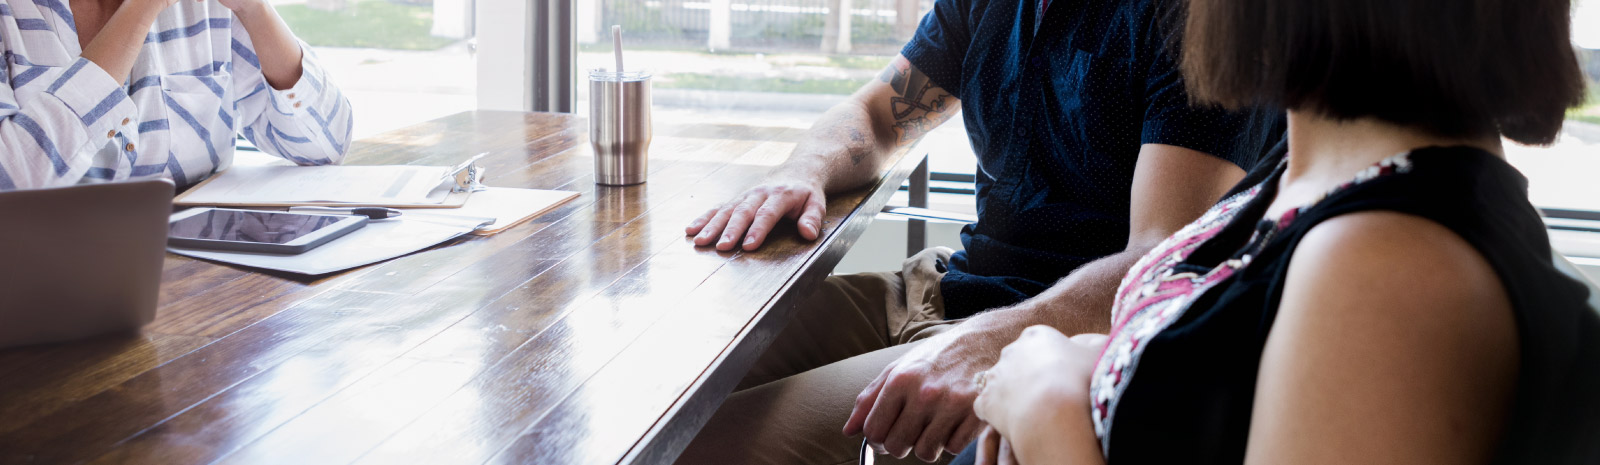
602, 74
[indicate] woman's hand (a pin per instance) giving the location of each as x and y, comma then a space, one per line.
277, 51
121, 38
241, 7
1037, 395
993, 449
1042, 368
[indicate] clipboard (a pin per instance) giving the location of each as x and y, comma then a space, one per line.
449, 188
511, 207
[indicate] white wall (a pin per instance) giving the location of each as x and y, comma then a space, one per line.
505, 55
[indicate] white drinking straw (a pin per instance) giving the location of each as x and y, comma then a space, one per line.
616, 46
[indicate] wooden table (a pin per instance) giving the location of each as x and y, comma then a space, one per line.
596, 333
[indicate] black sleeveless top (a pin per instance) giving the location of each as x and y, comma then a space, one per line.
1193, 316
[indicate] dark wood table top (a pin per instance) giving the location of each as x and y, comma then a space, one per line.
596, 333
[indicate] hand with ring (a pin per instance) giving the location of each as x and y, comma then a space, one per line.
1041, 379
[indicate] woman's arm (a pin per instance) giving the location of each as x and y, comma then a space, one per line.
1394, 343
286, 104
118, 43
275, 45
45, 128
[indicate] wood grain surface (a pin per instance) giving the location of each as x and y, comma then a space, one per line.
596, 333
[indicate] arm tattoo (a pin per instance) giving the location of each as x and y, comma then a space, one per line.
912, 128
860, 148
920, 104
895, 77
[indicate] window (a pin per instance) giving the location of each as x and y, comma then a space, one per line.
400, 62
756, 62
1558, 176
774, 59
775, 63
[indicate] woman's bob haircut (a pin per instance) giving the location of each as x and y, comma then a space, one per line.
1454, 68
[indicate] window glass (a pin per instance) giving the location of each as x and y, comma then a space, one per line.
753, 62
400, 62
1558, 176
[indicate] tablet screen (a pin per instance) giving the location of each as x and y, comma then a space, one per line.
249, 226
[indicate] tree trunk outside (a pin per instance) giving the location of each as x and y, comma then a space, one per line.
836, 29
906, 18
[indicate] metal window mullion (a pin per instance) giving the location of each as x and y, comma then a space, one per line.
917, 230
555, 53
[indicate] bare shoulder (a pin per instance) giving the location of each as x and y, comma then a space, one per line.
1396, 262
1392, 332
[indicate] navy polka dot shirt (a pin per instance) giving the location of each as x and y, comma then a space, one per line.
1057, 108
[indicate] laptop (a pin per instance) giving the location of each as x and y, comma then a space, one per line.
81, 261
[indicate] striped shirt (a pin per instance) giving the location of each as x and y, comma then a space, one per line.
196, 83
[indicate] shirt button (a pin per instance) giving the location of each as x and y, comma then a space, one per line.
1037, 62
129, 147
1022, 132
297, 104
111, 134
291, 95
125, 121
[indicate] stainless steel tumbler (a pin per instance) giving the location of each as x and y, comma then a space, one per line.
619, 126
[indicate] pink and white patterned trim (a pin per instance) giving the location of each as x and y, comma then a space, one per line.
1153, 295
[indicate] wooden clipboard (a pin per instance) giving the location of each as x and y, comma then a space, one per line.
510, 206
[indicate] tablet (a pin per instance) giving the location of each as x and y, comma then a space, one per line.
257, 231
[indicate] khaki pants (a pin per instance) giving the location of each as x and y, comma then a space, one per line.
793, 404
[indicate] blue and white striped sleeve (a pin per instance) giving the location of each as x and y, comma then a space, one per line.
308, 124
48, 117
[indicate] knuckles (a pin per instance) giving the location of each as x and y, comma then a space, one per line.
930, 394
1036, 331
864, 399
901, 379
898, 446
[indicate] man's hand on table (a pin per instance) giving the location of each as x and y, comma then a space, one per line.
922, 402
748, 219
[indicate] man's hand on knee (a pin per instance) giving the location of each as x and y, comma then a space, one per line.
922, 402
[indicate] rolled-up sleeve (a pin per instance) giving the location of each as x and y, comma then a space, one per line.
47, 117
308, 123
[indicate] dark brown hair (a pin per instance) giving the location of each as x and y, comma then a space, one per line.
1455, 68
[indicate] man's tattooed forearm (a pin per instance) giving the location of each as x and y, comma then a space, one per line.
918, 104
895, 77
859, 147
911, 129
904, 106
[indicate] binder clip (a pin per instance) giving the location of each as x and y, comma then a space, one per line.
468, 176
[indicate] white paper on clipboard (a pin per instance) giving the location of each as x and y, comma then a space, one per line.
277, 184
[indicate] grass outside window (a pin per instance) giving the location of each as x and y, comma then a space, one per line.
365, 24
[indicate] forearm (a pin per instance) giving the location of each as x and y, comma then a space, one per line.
1063, 436
854, 142
840, 152
118, 43
1079, 303
274, 44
